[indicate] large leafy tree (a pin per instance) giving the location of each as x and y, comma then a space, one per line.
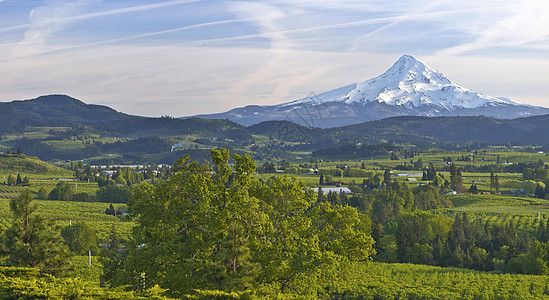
217, 227
32, 241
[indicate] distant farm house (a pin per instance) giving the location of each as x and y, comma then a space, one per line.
326, 190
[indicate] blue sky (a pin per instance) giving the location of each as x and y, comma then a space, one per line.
185, 57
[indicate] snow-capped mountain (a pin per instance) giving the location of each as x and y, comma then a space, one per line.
409, 87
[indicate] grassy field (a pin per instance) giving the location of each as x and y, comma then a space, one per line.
408, 281
64, 212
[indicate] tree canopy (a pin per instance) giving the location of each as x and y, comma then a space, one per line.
220, 228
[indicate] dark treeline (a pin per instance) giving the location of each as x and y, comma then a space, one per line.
405, 231
354, 151
46, 151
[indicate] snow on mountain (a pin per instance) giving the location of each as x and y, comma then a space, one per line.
408, 83
408, 88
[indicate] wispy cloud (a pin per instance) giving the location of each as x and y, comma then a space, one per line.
81, 17
59, 14
285, 33
41, 27
511, 26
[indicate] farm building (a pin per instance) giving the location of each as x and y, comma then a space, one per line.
338, 190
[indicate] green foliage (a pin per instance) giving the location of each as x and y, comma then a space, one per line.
80, 238
29, 165
32, 241
407, 281
27, 283
12, 180
111, 259
62, 192
528, 185
113, 194
120, 180
227, 231
538, 174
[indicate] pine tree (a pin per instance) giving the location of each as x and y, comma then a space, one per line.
342, 199
32, 241
19, 180
496, 184
320, 196
387, 177
42, 193
111, 258
456, 181
431, 172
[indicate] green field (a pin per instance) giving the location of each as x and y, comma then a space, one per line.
408, 281
64, 212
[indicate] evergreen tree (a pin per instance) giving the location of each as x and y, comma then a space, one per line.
431, 172
26, 181
540, 192
387, 177
473, 189
456, 181
321, 180
120, 180
42, 193
320, 195
111, 257
342, 199
18, 180
32, 241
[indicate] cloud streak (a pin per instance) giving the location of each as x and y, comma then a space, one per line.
515, 26
82, 17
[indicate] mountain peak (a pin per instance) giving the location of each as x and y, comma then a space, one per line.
408, 88
407, 59
58, 100
409, 83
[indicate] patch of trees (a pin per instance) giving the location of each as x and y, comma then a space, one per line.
499, 168
195, 154
465, 243
47, 151
143, 145
168, 126
17, 180
356, 151
113, 194
405, 231
538, 174
228, 231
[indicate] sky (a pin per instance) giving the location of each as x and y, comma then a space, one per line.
187, 57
